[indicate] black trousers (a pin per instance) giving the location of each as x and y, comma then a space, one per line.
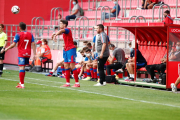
124, 65
101, 63
159, 67
115, 66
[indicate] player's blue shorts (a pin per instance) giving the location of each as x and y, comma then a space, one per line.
69, 56
23, 61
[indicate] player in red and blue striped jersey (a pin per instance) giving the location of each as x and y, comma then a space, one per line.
24, 40
69, 53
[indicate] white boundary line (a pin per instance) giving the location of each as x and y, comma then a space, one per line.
142, 101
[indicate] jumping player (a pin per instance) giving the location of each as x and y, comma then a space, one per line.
69, 53
24, 40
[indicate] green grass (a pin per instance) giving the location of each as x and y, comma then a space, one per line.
43, 99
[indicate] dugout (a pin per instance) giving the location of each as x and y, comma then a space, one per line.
153, 39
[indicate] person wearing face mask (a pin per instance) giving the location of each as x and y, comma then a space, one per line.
167, 18
113, 11
159, 67
89, 60
75, 11
175, 56
85, 44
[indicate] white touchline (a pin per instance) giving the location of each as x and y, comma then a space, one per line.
99, 93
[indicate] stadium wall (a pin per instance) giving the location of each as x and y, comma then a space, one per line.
29, 9
11, 56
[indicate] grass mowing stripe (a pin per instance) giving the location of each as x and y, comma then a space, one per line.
142, 101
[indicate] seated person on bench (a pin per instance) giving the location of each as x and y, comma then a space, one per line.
159, 67
43, 53
119, 54
140, 62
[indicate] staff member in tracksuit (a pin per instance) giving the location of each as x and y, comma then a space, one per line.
3, 43
101, 46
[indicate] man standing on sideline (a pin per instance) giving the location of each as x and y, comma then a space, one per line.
101, 46
3, 43
24, 40
69, 53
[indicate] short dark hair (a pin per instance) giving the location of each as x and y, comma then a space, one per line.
129, 43
76, 1
88, 50
101, 26
2, 25
82, 51
75, 43
111, 45
167, 11
59, 15
44, 40
65, 22
85, 42
85, 48
89, 44
22, 25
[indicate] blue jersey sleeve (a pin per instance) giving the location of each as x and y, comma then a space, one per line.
16, 38
114, 7
86, 59
94, 39
32, 40
66, 31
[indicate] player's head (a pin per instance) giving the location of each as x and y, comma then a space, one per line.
82, 53
75, 2
89, 45
44, 42
39, 43
1, 27
59, 16
111, 46
167, 12
178, 46
88, 52
63, 24
85, 43
22, 26
100, 28
75, 44
84, 49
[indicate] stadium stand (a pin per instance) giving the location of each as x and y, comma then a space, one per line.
82, 27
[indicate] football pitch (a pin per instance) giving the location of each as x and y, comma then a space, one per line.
43, 99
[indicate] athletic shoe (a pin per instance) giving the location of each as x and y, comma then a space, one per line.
174, 89
148, 80
92, 79
155, 80
65, 85
49, 74
98, 80
62, 76
129, 80
83, 77
119, 71
98, 84
76, 85
19, 86
88, 78
104, 83
95, 79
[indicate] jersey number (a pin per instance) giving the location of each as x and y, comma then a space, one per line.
27, 41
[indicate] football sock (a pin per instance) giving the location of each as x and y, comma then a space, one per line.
92, 72
88, 73
63, 70
98, 75
1, 68
95, 73
67, 71
21, 77
75, 72
85, 73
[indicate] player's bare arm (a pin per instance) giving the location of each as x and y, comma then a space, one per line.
11, 46
34, 50
60, 32
4, 46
